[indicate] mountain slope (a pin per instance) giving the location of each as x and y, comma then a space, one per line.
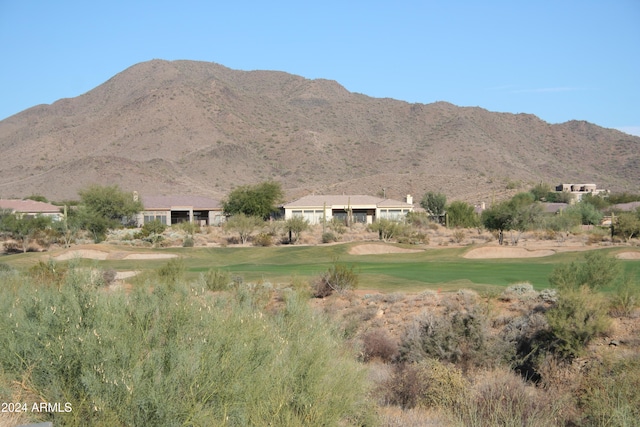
164, 127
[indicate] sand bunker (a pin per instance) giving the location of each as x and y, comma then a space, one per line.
82, 253
628, 255
502, 252
121, 275
150, 256
377, 249
102, 255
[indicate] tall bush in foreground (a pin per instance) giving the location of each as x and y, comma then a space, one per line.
580, 313
175, 356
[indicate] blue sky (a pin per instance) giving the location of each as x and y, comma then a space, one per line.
560, 60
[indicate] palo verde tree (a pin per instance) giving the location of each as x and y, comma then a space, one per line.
254, 200
295, 226
102, 208
243, 225
434, 204
462, 214
518, 214
110, 203
627, 225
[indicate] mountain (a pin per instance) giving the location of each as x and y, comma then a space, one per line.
189, 127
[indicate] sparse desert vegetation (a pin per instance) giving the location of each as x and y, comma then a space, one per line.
175, 347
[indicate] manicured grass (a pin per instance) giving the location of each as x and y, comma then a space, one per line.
443, 269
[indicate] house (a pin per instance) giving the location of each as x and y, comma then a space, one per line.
362, 209
176, 209
579, 190
31, 208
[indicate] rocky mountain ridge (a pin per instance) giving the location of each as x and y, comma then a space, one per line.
186, 127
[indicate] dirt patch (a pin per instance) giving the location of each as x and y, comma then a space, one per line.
628, 255
82, 253
502, 252
150, 256
378, 249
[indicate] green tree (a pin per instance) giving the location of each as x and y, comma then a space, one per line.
588, 213
254, 200
519, 214
462, 214
387, 229
498, 217
295, 226
541, 191
243, 224
434, 204
109, 203
596, 200
627, 225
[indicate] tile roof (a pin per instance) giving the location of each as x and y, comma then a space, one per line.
168, 202
554, 207
627, 207
344, 200
28, 206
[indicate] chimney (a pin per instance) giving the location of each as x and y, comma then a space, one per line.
409, 199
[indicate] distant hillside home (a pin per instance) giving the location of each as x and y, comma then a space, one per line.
176, 209
579, 190
363, 209
31, 208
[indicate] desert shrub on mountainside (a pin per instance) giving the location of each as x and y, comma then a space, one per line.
174, 356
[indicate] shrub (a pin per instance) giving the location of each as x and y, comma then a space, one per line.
216, 280
626, 298
337, 278
329, 237
578, 317
6, 268
610, 391
458, 336
337, 226
48, 273
378, 344
108, 276
176, 357
458, 235
263, 239
429, 383
500, 398
172, 271
188, 242
597, 270
152, 227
